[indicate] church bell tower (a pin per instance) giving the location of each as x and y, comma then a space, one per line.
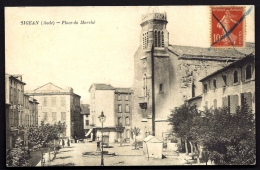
151, 61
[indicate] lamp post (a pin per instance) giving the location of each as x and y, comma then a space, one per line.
102, 119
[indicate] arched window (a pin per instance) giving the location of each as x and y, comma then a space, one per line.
248, 72
155, 39
235, 76
215, 103
214, 83
162, 39
205, 88
159, 39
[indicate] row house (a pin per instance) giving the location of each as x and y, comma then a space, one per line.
229, 86
21, 111
58, 104
85, 112
116, 104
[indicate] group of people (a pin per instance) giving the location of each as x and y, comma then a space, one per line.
63, 143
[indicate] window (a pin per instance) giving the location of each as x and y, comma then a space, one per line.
159, 39
119, 97
127, 108
126, 97
215, 84
119, 120
224, 79
155, 39
63, 116
215, 103
87, 122
161, 88
233, 103
45, 118
45, 101
248, 72
18, 96
205, 88
53, 101
63, 103
162, 39
54, 118
235, 76
127, 133
119, 108
127, 122
11, 95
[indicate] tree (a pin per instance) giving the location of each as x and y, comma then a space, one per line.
228, 138
18, 156
233, 139
45, 136
181, 121
136, 132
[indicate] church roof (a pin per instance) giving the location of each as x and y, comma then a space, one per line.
189, 52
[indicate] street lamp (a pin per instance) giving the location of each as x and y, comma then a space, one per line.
102, 119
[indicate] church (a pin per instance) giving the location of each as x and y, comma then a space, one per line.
166, 75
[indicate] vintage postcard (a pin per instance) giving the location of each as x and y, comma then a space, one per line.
130, 85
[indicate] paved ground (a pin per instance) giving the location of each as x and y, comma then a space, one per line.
124, 156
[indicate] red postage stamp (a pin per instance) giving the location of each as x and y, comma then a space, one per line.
227, 26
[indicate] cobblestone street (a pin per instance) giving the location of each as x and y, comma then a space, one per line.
124, 156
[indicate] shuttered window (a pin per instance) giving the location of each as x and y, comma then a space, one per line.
233, 103
248, 97
225, 102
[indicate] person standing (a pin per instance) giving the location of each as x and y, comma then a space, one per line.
68, 143
63, 143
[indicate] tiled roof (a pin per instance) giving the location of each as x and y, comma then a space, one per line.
103, 86
188, 51
122, 90
84, 109
236, 63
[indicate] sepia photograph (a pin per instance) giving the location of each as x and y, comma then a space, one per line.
130, 86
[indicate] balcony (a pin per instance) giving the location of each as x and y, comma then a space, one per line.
143, 102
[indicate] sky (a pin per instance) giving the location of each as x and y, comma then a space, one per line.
77, 55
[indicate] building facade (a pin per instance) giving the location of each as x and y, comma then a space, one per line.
85, 112
21, 111
116, 105
166, 75
57, 104
230, 85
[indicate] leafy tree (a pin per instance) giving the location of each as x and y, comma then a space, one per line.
136, 132
228, 138
181, 121
18, 156
233, 139
45, 136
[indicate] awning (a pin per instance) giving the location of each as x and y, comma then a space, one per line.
90, 130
